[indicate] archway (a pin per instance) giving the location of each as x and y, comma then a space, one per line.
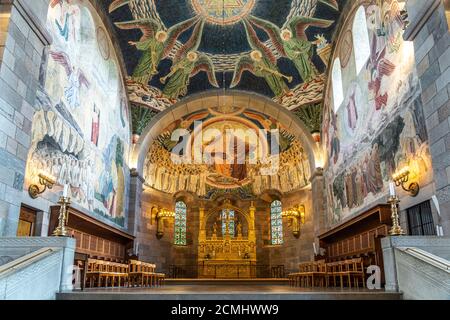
217, 98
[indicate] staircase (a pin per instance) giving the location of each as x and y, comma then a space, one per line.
422, 275
35, 268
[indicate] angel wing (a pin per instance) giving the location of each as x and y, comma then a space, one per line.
149, 27
273, 32
331, 3
116, 4
256, 44
244, 64
205, 64
192, 44
63, 59
175, 32
299, 25
307, 8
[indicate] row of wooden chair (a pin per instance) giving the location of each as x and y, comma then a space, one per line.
347, 273
143, 274
102, 273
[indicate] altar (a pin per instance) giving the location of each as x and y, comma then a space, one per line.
228, 253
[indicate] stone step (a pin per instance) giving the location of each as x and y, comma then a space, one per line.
220, 291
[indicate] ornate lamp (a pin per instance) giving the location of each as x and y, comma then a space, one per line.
34, 190
297, 216
402, 177
162, 215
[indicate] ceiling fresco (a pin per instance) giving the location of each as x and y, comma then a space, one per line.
175, 48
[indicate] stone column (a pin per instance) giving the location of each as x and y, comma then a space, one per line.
319, 202
135, 207
428, 30
23, 37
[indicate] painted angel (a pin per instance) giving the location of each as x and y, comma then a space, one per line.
155, 43
293, 43
188, 62
379, 67
262, 63
76, 79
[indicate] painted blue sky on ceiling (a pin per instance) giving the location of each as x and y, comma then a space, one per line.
225, 48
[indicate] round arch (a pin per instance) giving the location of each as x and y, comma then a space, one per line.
215, 98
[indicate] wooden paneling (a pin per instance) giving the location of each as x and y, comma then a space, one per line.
94, 238
359, 237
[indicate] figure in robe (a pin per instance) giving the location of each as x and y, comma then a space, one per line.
293, 43
221, 150
63, 28
187, 64
379, 67
95, 125
262, 63
155, 44
349, 190
335, 143
375, 178
352, 112
75, 79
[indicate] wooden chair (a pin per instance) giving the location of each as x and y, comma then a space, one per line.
356, 271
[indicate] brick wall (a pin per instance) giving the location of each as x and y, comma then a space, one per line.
429, 32
22, 42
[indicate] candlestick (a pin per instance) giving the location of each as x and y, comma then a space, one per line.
396, 229
61, 230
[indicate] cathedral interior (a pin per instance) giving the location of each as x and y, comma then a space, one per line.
176, 146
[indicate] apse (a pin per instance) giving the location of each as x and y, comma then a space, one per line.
232, 149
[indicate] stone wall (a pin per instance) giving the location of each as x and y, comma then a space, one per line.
165, 254
22, 42
429, 31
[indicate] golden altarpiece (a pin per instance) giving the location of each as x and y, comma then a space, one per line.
224, 253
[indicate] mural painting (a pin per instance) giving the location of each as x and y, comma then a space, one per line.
379, 127
223, 156
187, 46
81, 131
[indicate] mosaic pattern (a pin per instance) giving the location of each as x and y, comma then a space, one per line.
176, 48
223, 12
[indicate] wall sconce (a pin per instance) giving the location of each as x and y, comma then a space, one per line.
297, 216
34, 191
402, 177
163, 214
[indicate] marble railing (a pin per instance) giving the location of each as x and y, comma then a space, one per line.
35, 268
413, 267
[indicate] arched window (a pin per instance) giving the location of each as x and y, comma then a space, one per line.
276, 222
338, 90
228, 215
180, 223
361, 42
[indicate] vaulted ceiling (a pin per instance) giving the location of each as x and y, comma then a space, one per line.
176, 48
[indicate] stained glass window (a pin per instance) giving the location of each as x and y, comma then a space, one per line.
231, 215
338, 90
361, 41
180, 223
276, 222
